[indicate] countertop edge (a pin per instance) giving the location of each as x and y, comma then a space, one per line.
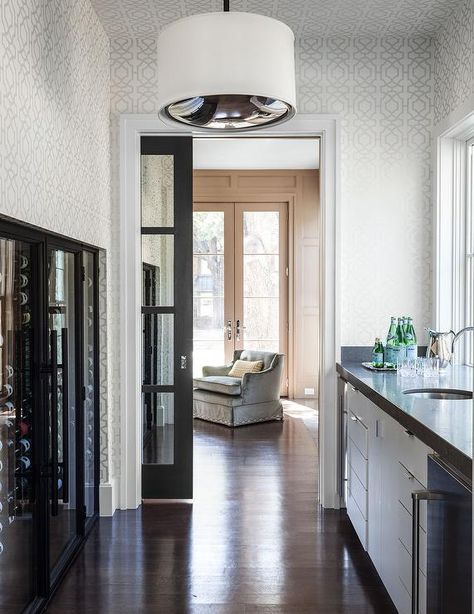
447, 451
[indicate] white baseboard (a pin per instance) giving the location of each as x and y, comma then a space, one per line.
108, 498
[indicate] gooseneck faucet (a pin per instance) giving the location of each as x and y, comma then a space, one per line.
466, 329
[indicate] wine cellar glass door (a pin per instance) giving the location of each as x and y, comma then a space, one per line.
62, 349
17, 493
49, 402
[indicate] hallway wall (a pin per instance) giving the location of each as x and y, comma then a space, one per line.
54, 122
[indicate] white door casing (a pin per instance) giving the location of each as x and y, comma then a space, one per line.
132, 127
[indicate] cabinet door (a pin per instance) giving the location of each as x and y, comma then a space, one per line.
388, 434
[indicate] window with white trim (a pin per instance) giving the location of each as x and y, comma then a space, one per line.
454, 262
469, 253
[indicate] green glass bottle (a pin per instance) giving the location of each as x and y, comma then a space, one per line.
400, 342
390, 352
410, 341
405, 325
377, 354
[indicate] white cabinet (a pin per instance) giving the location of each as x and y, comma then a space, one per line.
385, 465
358, 415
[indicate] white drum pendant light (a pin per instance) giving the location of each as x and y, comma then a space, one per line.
227, 71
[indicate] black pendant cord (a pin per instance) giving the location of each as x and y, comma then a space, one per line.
226, 6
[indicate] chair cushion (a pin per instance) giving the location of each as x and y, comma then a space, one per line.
219, 383
241, 367
265, 357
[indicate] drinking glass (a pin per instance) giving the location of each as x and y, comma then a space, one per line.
406, 367
428, 367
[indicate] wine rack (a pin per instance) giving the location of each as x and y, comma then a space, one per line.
16, 419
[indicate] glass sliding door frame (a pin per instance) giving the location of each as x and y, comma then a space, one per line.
46, 581
166, 214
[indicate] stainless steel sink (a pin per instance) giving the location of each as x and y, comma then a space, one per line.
448, 394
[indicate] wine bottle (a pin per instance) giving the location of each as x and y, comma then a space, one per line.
410, 341
377, 354
390, 351
400, 343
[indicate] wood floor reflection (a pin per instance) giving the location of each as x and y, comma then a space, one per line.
254, 541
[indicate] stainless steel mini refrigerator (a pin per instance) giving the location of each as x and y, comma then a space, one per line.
449, 565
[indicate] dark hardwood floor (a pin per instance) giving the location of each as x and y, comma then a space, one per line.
254, 541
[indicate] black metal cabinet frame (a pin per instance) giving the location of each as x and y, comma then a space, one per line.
42, 242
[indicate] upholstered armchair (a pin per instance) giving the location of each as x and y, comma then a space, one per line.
235, 401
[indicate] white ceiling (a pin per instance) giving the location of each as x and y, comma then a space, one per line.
258, 153
307, 18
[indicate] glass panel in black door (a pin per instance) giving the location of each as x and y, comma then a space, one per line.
17, 504
166, 198
62, 401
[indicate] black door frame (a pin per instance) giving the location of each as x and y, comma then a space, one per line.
175, 481
45, 584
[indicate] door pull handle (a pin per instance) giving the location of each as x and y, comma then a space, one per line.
184, 362
417, 496
229, 330
54, 424
65, 408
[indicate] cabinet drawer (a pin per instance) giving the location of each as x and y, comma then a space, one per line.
407, 483
358, 433
357, 492
414, 455
405, 536
359, 405
358, 521
357, 461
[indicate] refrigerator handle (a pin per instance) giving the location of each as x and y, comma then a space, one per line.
65, 409
54, 423
416, 497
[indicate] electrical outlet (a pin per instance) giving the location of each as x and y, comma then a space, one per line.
309, 391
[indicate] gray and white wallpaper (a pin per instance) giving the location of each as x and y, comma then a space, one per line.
389, 79
54, 127
454, 62
383, 89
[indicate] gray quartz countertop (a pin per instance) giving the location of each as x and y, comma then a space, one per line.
445, 426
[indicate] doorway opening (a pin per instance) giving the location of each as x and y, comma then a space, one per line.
256, 254
134, 130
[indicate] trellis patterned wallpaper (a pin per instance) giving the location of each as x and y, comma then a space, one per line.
383, 90
307, 18
54, 146
54, 129
389, 90
454, 62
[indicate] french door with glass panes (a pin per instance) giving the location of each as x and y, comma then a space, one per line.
166, 219
240, 275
